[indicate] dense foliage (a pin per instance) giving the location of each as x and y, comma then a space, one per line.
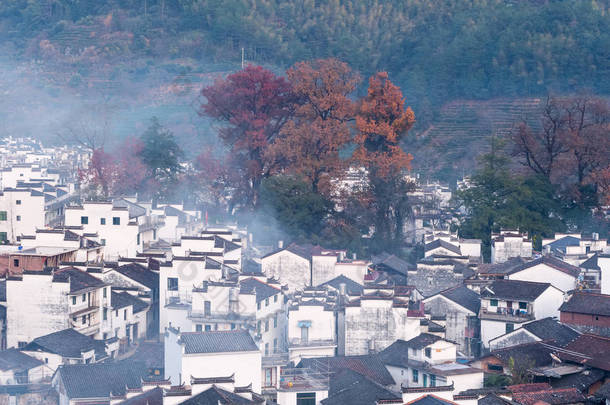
438, 51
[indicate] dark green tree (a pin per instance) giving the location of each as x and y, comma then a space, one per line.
299, 211
161, 155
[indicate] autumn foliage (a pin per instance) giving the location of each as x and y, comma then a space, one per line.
381, 123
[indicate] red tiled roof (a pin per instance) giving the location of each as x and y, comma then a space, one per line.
552, 397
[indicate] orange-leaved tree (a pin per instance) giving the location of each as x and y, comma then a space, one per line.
309, 144
382, 121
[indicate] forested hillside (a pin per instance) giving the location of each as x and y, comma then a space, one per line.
437, 51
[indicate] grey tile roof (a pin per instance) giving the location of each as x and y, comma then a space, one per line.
218, 342
396, 354
13, 359
431, 400
590, 263
551, 329
581, 381
369, 366
67, 343
587, 303
79, 280
535, 354
100, 380
351, 287
514, 290
463, 296
443, 244
387, 261
349, 387
216, 395
140, 274
124, 299
150, 397
422, 340
262, 290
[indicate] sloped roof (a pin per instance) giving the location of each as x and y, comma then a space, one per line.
443, 244
124, 299
563, 243
350, 387
150, 397
423, 340
592, 350
430, 399
535, 354
216, 395
100, 380
396, 354
262, 290
139, 274
391, 262
351, 287
218, 342
515, 290
369, 366
13, 359
552, 397
581, 381
587, 303
463, 296
551, 329
80, 281
67, 343
517, 264
590, 263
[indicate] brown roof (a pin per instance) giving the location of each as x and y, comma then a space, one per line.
592, 350
552, 397
528, 387
587, 303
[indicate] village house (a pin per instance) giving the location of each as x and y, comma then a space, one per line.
224, 353
377, 318
128, 319
587, 312
312, 324
116, 230
444, 244
603, 261
574, 248
510, 243
87, 249
429, 361
507, 304
347, 386
389, 266
458, 308
22, 211
38, 258
69, 347
435, 274
42, 302
542, 330
524, 356
300, 266
545, 268
17, 367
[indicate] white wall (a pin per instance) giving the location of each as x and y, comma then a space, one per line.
287, 267
543, 273
548, 303
24, 213
603, 261
246, 366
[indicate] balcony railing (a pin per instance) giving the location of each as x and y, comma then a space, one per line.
311, 342
220, 316
506, 314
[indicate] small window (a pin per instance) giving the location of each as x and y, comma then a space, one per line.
125, 315
258, 305
138, 239
15, 262
74, 300
275, 298
84, 320
105, 293
102, 221
3, 237
74, 319
84, 220
18, 202
105, 314
116, 221
432, 380
275, 321
208, 328
2, 215
103, 242
266, 349
84, 297
232, 326
415, 376
522, 305
18, 218
267, 325
198, 328
21, 345
510, 327
493, 303
207, 308
258, 326
105, 336
172, 283
428, 352
266, 302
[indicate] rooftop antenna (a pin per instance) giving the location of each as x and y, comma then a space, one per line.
243, 54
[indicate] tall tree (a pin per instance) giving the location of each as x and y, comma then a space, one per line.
253, 105
382, 121
310, 143
161, 154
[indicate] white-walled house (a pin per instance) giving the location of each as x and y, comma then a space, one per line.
17, 367
21, 213
603, 261
509, 243
39, 303
116, 231
87, 249
190, 355
574, 248
507, 304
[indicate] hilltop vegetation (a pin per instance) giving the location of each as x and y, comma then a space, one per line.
437, 51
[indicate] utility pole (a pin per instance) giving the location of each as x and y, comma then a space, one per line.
243, 53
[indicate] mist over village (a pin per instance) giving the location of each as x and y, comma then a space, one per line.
304, 202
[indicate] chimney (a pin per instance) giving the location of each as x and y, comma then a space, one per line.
342, 289
547, 250
595, 236
250, 238
371, 346
280, 244
354, 256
